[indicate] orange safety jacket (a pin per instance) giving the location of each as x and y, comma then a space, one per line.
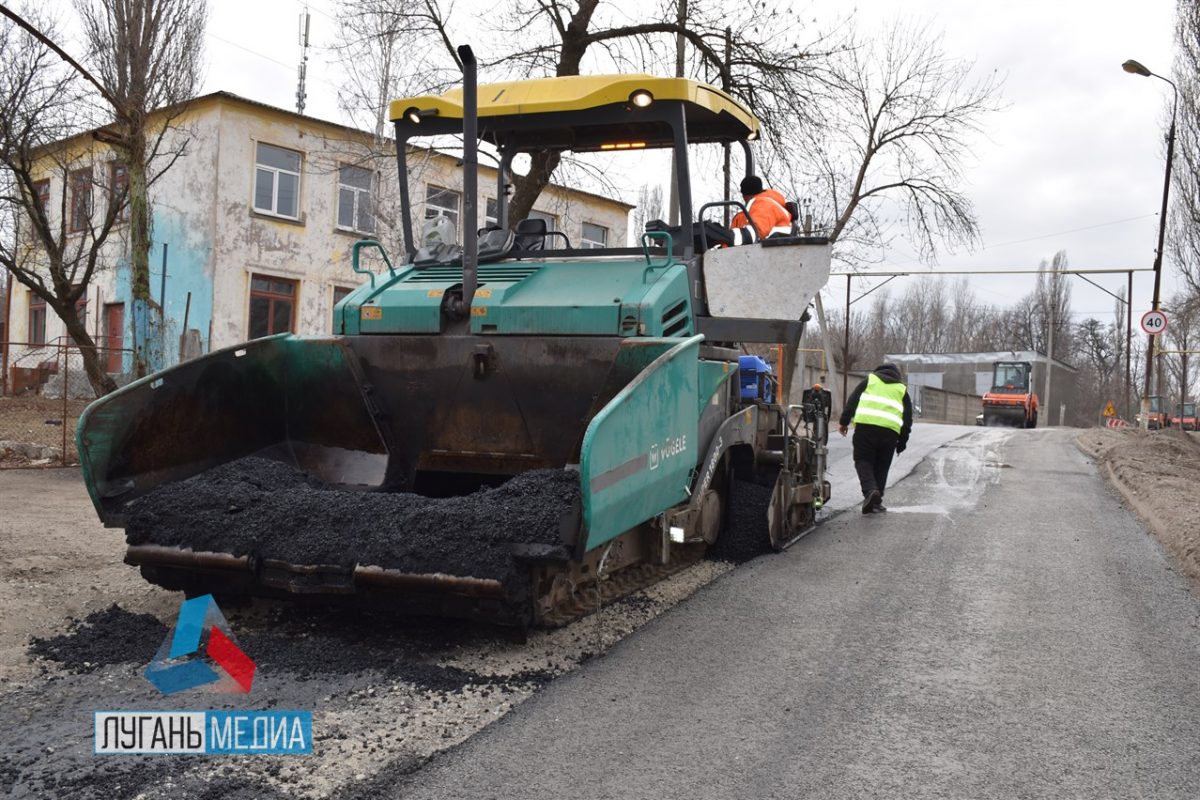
769, 215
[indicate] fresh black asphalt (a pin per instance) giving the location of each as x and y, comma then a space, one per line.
1006, 630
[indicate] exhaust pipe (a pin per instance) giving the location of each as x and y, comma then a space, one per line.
470, 257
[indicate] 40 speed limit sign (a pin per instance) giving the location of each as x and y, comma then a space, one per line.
1154, 322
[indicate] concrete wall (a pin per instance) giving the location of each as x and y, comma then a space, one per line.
938, 405
970, 374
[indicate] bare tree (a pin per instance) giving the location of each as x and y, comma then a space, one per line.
772, 63
1183, 335
148, 56
51, 240
649, 206
390, 49
898, 119
1184, 232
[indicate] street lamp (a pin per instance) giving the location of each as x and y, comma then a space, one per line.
1135, 68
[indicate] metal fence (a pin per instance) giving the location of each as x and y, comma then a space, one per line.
43, 390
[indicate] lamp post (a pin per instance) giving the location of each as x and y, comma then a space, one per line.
1135, 68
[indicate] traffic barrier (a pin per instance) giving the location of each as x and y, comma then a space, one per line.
1114, 422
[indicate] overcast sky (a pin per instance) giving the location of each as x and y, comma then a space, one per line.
1074, 163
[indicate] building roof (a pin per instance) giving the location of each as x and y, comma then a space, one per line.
986, 357
350, 131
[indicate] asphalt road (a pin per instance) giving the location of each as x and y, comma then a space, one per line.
1006, 630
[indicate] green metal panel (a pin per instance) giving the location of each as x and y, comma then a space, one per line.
639, 450
712, 376
583, 297
666, 309
572, 298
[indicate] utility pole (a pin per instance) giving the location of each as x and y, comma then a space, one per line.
727, 85
1134, 68
1129, 347
301, 95
846, 347
1049, 357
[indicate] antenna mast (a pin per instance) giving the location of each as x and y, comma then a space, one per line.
303, 71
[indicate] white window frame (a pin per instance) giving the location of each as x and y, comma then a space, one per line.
358, 193
276, 172
441, 210
592, 244
551, 219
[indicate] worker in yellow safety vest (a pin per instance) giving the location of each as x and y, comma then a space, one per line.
882, 414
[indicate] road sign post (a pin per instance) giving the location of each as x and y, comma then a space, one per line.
1154, 322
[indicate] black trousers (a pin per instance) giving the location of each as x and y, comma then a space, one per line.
874, 447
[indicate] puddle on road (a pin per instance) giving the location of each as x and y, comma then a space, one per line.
958, 474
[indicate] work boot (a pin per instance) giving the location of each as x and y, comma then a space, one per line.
879, 508
871, 501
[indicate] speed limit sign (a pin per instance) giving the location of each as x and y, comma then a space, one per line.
1154, 322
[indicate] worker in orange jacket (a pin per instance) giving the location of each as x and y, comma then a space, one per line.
767, 213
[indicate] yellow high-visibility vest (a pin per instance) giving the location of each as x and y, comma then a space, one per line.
881, 404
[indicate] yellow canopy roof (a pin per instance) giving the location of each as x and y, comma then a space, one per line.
705, 104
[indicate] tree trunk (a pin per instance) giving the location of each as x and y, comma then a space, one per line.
528, 188
139, 238
102, 383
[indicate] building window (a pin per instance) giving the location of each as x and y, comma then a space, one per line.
277, 181
354, 200
37, 320
492, 215
595, 237
340, 293
41, 194
81, 200
118, 189
551, 220
441, 202
272, 306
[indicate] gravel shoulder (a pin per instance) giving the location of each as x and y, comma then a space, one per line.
1157, 474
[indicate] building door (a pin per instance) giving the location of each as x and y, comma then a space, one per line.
114, 335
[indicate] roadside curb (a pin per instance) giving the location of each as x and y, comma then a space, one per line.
1143, 510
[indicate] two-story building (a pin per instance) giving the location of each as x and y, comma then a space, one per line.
254, 225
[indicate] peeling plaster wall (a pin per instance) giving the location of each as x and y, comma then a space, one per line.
202, 211
179, 201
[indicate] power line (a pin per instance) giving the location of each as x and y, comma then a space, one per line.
1047, 235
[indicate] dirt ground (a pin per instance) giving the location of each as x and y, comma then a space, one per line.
382, 689
38, 421
1158, 474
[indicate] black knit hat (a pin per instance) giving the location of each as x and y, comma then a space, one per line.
752, 184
